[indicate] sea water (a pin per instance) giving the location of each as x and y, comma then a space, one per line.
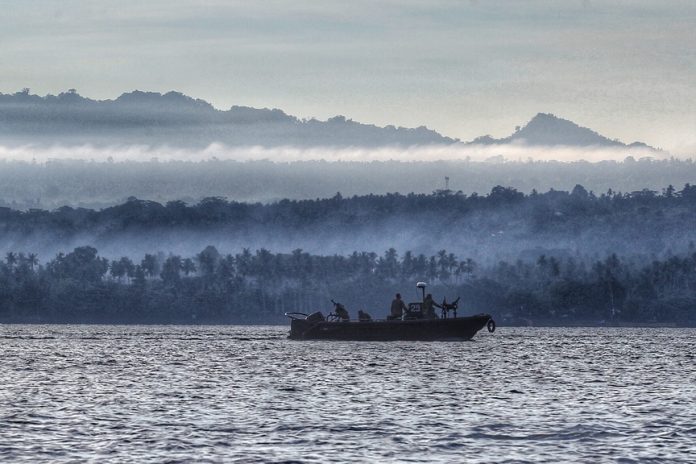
233, 393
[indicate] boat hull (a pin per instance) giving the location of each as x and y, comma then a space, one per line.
461, 328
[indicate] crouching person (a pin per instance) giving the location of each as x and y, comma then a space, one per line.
341, 312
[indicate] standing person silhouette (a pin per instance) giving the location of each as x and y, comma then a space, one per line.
428, 307
397, 308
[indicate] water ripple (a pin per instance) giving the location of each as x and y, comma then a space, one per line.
212, 394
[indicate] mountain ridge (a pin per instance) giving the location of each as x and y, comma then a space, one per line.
173, 118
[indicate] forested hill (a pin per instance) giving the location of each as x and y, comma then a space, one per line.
504, 224
174, 119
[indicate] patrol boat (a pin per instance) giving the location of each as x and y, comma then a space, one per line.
413, 324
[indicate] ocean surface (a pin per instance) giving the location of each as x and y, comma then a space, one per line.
247, 394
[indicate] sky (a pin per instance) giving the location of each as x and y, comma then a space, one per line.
464, 68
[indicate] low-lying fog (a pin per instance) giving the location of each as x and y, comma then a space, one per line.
95, 178
438, 152
500, 226
486, 240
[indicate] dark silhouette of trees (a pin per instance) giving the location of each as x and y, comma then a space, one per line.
81, 265
553, 210
258, 287
171, 271
647, 283
639, 223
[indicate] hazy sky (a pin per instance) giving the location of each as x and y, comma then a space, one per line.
465, 68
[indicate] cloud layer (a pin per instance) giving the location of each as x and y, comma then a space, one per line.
457, 152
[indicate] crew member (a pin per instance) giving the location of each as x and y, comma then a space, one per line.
341, 312
428, 304
397, 308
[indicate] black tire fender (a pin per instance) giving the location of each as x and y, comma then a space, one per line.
491, 325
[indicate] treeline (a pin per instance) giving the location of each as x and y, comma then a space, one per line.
504, 224
551, 208
258, 287
95, 185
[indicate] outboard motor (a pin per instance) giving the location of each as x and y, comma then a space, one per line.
301, 322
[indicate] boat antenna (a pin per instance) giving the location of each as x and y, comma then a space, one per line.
422, 286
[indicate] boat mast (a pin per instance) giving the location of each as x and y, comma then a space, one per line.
422, 286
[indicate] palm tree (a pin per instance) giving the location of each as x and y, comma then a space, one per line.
149, 265
128, 267
467, 267
207, 260
443, 263
117, 270
188, 267
33, 260
432, 269
407, 265
170, 270
11, 258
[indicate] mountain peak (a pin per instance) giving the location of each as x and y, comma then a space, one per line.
546, 117
547, 129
